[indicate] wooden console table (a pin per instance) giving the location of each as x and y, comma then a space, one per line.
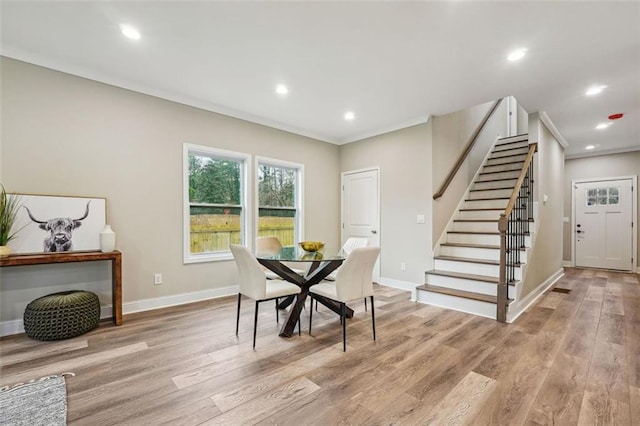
78, 256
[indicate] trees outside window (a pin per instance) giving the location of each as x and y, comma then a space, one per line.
279, 200
215, 202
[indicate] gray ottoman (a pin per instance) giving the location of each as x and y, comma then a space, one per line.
62, 315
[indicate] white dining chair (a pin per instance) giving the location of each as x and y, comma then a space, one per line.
353, 281
254, 284
272, 245
349, 245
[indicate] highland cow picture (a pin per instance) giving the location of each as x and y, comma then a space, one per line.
55, 224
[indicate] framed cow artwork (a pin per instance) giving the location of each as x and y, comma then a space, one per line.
53, 224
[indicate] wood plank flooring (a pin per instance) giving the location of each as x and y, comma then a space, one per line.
571, 359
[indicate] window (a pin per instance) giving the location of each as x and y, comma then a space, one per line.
214, 202
603, 196
279, 186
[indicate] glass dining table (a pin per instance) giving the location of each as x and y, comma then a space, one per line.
321, 263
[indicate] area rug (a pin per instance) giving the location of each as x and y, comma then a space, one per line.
38, 402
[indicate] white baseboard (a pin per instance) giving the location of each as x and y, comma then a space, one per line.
8, 328
522, 305
402, 285
567, 264
177, 299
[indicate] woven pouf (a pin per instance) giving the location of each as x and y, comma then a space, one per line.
62, 315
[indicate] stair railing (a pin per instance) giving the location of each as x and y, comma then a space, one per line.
514, 227
463, 156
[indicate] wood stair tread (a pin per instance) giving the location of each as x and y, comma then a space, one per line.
521, 135
476, 220
479, 233
504, 156
460, 293
510, 149
492, 189
501, 171
488, 199
502, 164
474, 277
495, 180
480, 246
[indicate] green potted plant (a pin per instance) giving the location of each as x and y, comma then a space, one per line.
9, 206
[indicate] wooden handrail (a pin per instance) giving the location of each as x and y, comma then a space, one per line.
533, 148
467, 150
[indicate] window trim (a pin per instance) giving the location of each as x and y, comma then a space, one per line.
299, 222
245, 189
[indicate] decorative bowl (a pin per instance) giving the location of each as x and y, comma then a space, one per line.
311, 246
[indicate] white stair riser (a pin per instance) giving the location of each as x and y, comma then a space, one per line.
493, 161
508, 183
488, 239
524, 137
470, 252
472, 268
479, 214
501, 175
503, 167
477, 253
504, 146
464, 284
475, 226
457, 303
485, 204
508, 152
493, 193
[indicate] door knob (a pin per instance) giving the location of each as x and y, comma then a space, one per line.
373, 231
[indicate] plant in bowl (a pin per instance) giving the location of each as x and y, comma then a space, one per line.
311, 246
9, 206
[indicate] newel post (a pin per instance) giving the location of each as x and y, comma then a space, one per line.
503, 289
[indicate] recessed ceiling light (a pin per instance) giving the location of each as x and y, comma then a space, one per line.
349, 115
603, 126
595, 90
590, 147
517, 55
281, 89
130, 32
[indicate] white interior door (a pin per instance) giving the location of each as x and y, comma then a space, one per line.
360, 208
603, 228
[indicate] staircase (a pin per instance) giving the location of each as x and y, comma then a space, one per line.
467, 265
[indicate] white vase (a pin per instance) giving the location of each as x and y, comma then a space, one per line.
107, 239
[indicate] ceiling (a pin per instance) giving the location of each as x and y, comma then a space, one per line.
393, 64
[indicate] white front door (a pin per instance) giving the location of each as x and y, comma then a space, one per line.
603, 229
360, 207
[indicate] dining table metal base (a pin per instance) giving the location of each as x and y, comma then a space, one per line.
317, 272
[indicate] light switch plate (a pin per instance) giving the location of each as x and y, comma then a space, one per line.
420, 218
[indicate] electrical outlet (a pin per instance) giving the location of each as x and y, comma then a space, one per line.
157, 279
403, 266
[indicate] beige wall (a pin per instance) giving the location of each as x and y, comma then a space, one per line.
66, 135
451, 133
405, 160
603, 166
545, 258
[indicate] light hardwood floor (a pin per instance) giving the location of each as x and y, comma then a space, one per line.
571, 359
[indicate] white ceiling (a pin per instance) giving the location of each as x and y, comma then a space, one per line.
393, 63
